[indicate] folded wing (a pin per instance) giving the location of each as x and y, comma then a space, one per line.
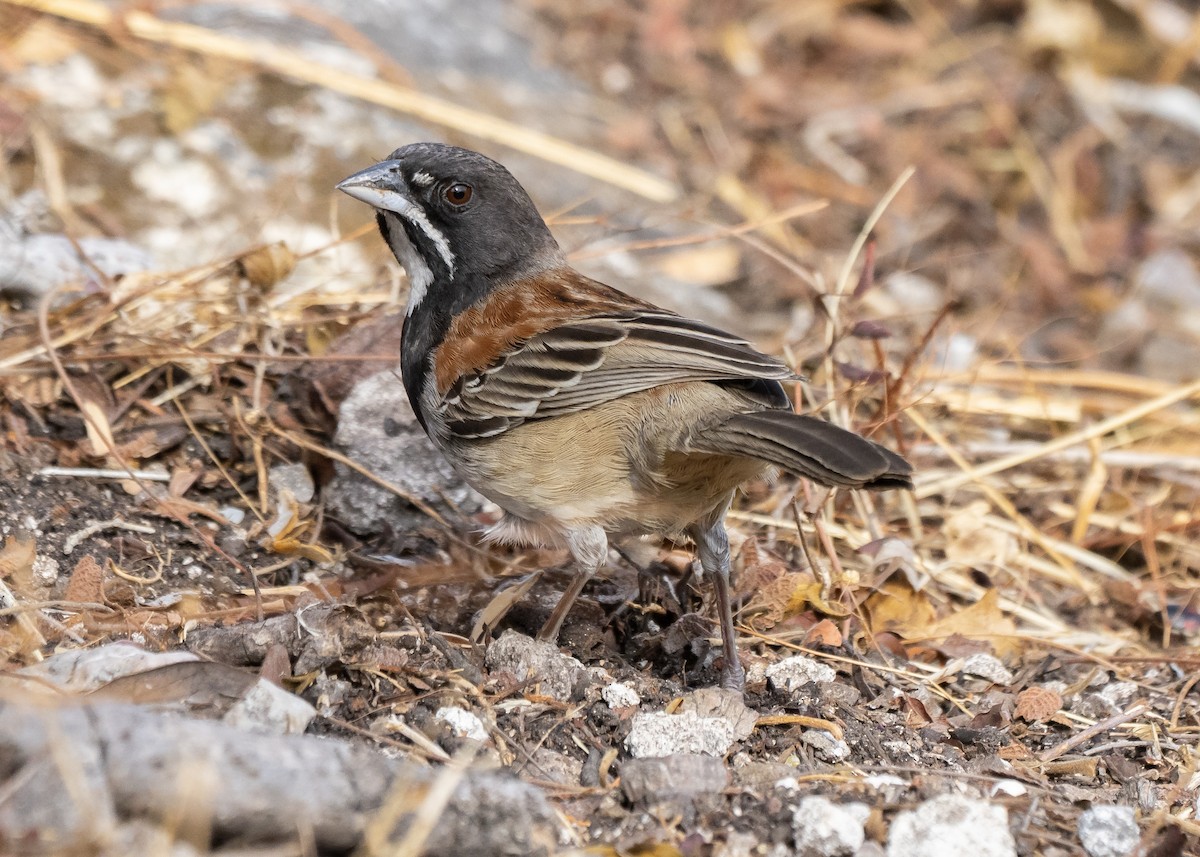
581, 364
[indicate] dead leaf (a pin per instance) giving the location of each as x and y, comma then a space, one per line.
37, 391
194, 684
657, 849
897, 607
263, 267
1083, 767
983, 620
181, 481
916, 715
824, 633
774, 590
1037, 704
972, 541
16, 562
499, 606
87, 581
295, 547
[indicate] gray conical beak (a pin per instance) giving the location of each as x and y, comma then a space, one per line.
381, 186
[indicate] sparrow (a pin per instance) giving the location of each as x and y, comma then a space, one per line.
585, 414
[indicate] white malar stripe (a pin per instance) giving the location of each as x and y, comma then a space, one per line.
419, 275
417, 218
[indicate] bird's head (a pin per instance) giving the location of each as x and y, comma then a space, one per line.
458, 222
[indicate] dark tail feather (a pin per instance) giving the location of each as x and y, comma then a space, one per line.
807, 446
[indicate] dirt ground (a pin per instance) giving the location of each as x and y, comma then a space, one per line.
972, 226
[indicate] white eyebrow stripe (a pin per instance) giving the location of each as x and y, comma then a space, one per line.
422, 179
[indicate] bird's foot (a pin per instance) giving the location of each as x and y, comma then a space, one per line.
733, 676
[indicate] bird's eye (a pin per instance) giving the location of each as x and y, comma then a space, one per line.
458, 194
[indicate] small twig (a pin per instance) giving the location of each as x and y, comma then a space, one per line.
1110, 456
819, 571
216, 462
51, 347
1154, 567
1092, 731
133, 578
72, 541
894, 385
66, 606
1179, 698
105, 473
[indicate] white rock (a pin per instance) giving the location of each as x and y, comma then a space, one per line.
294, 478
1012, 788
1170, 278
951, 826
267, 709
1109, 831
828, 747
556, 674
619, 695
379, 431
957, 352
31, 265
1118, 692
988, 666
914, 291
463, 723
45, 569
656, 733
726, 704
737, 844
880, 781
825, 829
171, 175
792, 673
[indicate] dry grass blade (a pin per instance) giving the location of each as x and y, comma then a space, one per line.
801, 210
843, 280
264, 55
425, 814
1107, 426
995, 497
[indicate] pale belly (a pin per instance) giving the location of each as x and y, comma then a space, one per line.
612, 466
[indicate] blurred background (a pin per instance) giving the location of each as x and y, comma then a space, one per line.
1053, 207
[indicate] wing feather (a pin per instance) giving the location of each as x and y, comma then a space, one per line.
581, 364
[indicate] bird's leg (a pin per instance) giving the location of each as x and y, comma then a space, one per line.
589, 549
712, 546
